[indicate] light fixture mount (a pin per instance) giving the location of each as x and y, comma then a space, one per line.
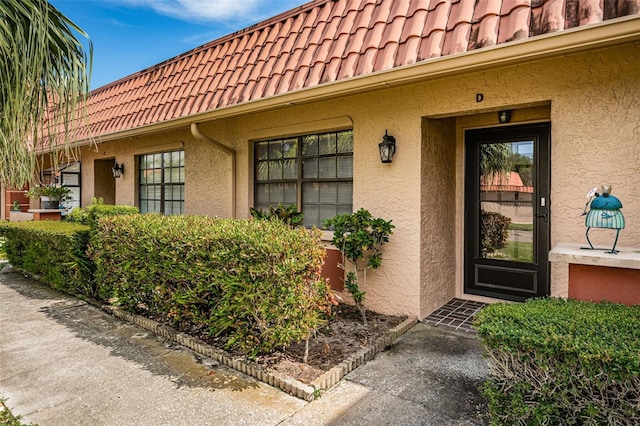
118, 170
504, 116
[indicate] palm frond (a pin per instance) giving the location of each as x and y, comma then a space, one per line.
44, 81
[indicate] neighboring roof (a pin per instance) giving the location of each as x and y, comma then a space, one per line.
326, 41
504, 182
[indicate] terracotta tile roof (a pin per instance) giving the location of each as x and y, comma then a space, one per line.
504, 182
325, 41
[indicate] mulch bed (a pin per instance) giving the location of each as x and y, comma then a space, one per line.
341, 338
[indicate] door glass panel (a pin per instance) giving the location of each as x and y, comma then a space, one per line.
506, 201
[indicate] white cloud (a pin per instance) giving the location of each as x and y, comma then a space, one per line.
201, 10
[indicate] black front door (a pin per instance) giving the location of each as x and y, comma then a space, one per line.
507, 212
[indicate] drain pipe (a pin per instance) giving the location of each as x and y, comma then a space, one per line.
195, 131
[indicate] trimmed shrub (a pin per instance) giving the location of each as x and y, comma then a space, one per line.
255, 283
54, 250
77, 215
91, 214
555, 361
494, 231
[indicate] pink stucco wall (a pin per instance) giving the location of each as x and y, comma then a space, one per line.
590, 98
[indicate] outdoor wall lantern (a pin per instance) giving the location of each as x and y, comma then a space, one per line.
118, 170
504, 116
387, 148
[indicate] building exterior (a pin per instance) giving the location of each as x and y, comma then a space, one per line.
293, 109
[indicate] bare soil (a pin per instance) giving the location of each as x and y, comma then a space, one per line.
342, 337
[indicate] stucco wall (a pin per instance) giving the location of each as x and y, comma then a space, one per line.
438, 236
591, 100
390, 191
207, 177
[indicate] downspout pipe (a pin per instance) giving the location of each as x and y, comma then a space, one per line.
195, 131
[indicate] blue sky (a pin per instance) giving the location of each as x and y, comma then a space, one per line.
130, 35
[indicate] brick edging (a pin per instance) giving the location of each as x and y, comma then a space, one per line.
307, 392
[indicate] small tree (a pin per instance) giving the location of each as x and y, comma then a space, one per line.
359, 237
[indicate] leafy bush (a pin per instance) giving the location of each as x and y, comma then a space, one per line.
256, 283
54, 192
287, 214
77, 215
494, 231
359, 237
54, 250
555, 361
91, 214
3, 251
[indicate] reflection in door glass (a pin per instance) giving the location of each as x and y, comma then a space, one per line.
506, 201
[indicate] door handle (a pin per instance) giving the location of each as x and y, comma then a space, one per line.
544, 215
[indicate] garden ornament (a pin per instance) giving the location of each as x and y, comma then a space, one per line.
603, 212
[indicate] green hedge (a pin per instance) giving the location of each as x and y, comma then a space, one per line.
90, 215
52, 249
256, 283
555, 361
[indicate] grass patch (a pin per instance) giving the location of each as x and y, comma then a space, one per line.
7, 418
521, 227
521, 251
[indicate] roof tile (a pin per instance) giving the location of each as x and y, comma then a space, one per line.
385, 58
373, 39
348, 67
484, 33
457, 40
367, 61
516, 27
315, 74
461, 12
437, 18
414, 25
486, 8
552, 18
331, 70
325, 41
364, 16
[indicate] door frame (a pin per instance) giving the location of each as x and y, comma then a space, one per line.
539, 270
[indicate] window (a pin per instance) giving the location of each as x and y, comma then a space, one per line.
313, 171
162, 183
70, 177
65, 175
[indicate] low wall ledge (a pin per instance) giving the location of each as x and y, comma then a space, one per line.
628, 257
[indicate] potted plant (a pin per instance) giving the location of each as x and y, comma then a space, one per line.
51, 195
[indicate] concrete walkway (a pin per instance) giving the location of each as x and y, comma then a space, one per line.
63, 362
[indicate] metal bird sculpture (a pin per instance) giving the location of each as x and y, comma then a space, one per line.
603, 212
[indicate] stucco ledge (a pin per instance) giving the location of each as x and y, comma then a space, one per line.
627, 257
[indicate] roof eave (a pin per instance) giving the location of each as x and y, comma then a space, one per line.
608, 33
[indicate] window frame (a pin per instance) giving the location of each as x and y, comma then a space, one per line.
300, 180
163, 184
